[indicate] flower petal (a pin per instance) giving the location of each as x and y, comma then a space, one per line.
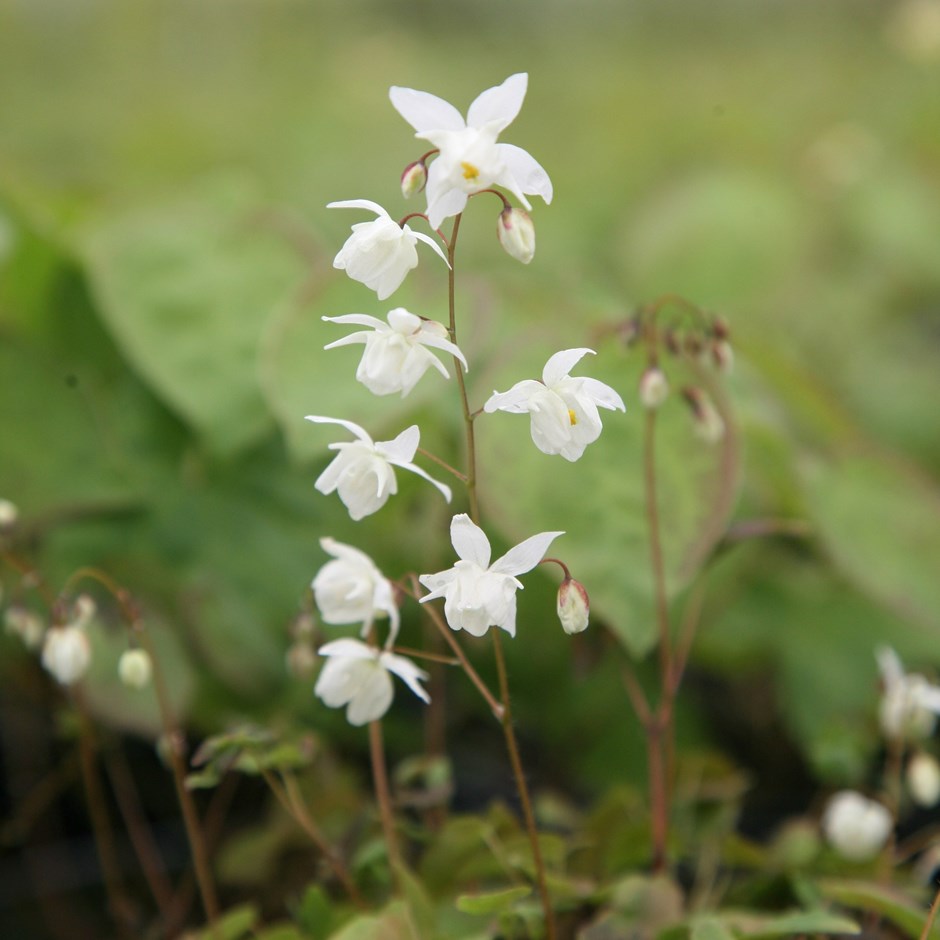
408, 672
602, 394
402, 449
526, 555
429, 241
499, 105
372, 699
361, 336
350, 426
559, 365
429, 339
414, 468
424, 111
348, 648
358, 319
359, 204
515, 400
469, 540
527, 173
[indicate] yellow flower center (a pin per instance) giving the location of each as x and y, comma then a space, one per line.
572, 417
470, 172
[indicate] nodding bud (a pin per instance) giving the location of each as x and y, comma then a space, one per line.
671, 341
709, 425
135, 668
574, 606
414, 178
720, 329
723, 355
628, 331
654, 389
923, 780
516, 234
8, 514
83, 610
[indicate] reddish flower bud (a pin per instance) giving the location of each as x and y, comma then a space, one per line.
574, 606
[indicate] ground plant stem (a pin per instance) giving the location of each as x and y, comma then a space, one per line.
384, 797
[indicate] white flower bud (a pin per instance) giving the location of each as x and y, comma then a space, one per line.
413, 179
856, 827
83, 610
923, 779
8, 514
723, 356
654, 388
66, 653
135, 668
574, 606
516, 234
25, 624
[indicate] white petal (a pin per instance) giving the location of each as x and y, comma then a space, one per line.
350, 426
526, 172
448, 203
358, 319
372, 699
407, 671
559, 365
429, 339
526, 555
437, 583
430, 241
359, 204
329, 479
362, 336
515, 400
892, 672
469, 540
602, 394
403, 321
347, 648
424, 111
500, 104
401, 450
414, 468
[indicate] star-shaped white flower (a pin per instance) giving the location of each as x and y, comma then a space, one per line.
470, 160
381, 252
358, 676
351, 589
478, 595
362, 470
396, 356
909, 702
563, 408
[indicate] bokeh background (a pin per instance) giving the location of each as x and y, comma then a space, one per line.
165, 259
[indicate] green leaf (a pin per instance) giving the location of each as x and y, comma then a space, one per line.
492, 903
710, 928
232, 925
186, 288
909, 916
797, 922
280, 932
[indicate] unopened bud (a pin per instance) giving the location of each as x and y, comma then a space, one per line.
21, 622
723, 355
574, 606
516, 234
709, 425
8, 514
303, 625
135, 668
301, 660
856, 827
414, 178
83, 610
923, 780
66, 653
720, 329
654, 388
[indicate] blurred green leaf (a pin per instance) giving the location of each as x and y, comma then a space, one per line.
232, 925
907, 915
492, 903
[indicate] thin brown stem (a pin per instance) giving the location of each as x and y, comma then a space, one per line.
443, 463
655, 543
931, 917
521, 785
384, 798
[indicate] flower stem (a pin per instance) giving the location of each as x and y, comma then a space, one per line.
384, 798
513, 748
931, 917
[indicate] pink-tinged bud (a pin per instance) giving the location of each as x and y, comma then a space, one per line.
723, 356
574, 606
414, 178
654, 388
720, 329
516, 234
709, 425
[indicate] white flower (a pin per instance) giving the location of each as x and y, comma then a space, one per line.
351, 589
66, 653
362, 470
478, 595
909, 703
470, 160
357, 675
856, 827
381, 252
395, 356
563, 407
135, 668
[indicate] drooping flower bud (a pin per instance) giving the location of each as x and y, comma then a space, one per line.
413, 178
516, 234
83, 610
66, 653
923, 779
856, 827
574, 606
654, 388
709, 425
135, 668
723, 356
8, 514
24, 623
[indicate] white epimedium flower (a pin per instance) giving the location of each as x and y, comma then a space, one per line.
396, 353
909, 703
855, 826
66, 653
470, 160
358, 676
563, 407
351, 589
380, 253
478, 595
362, 471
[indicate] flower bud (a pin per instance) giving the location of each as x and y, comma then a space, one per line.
923, 779
723, 356
856, 827
135, 668
709, 425
301, 660
516, 234
83, 610
653, 387
66, 653
21, 622
8, 514
574, 606
414, 178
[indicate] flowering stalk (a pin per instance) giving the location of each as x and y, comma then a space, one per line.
384, 798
